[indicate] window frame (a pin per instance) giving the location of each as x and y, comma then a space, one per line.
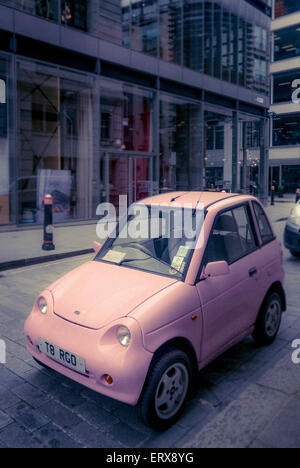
252, 226
253, 202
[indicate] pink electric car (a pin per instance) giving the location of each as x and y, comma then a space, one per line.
140, 320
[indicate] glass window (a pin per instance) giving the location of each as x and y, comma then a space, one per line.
286, 7
47, 9
5, 188
241, 52
193, 35
180, 153
74, 13
163, 246
244, 229
282, 85
170, 30
144, 26
263, 224
55, 142
217, 41
286, 130
208, 38
226, 46
126, 117
224, 243
287, 43
231, 238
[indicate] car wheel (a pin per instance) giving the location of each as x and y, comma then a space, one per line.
166, 390
268, 321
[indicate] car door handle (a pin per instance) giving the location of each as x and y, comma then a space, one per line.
252, 272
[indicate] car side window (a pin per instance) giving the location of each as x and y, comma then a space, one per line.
231, 238
244, 229
263, 224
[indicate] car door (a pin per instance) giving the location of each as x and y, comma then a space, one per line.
228, 301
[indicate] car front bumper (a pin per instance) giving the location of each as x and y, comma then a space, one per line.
101, 351
292, 238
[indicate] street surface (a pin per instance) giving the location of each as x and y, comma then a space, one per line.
247, 397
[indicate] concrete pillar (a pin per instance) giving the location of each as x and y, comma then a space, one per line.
264, 160
227, 177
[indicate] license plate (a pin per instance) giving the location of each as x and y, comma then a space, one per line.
62, 356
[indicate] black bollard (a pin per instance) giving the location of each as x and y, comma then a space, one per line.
273, 195
48, 223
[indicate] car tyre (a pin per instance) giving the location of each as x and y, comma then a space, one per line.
166, 390
268, 321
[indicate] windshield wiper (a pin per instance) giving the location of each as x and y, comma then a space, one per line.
135, 245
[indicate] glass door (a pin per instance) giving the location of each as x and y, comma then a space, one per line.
127, 175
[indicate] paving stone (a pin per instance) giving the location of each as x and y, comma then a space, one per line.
97, 416
284, 431
284, 376
7, 398
8, 378
13, 436
5, 420
241, 422
33, 396
27, 417
51, 436
88, 436
59, 415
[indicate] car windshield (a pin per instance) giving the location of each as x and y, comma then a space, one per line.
156, 239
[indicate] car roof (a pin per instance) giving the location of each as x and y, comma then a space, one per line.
203, 200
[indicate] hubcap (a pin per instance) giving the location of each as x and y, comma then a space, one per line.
273, 317
171, 390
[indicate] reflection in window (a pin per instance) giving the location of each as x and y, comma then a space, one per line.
126, 117
47, 9
286, 7
193, 35
282, 85
287, 43
5, 206
286, 130
55, 142
170, 30
180, 133
74, 13
144, 27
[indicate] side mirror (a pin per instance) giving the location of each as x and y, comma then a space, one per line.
96, 246
215, 269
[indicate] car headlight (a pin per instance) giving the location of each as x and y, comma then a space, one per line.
43, 306
124, 336
295, 215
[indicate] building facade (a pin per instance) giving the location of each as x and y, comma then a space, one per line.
285, 109
130, 97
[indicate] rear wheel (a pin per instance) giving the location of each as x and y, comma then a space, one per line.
166, 390
268, 321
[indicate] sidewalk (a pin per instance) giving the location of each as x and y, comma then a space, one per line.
266, 414
24, 247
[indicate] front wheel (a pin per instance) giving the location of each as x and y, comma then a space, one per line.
166, 390
268, 321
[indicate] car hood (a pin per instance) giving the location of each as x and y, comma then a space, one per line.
98, 293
